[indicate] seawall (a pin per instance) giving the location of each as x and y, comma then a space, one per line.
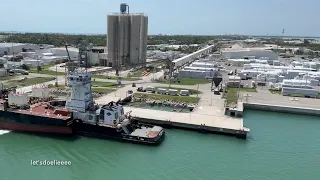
283, 109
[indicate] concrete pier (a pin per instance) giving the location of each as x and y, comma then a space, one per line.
283, 109
207, 123
264, 100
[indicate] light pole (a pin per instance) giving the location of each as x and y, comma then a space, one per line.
170, 71
14, 64
154, 69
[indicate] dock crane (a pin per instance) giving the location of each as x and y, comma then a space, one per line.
68, 63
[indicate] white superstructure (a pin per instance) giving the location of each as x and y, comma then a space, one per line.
83, 108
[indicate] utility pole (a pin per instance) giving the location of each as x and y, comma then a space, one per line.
68, 63
56, 74
170, 71
154, 69
14, 64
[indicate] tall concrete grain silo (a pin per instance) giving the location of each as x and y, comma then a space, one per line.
124, 38
143, 39
113, 39
127, 38
136, 23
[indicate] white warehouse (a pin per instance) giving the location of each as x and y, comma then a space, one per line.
243, 53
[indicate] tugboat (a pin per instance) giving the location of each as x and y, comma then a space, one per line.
107, 121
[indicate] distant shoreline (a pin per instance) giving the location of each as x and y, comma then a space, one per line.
99, 34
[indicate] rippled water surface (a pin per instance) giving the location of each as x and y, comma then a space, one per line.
280, 146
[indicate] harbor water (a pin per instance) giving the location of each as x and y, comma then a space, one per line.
279, 146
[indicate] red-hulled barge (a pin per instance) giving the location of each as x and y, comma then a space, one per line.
42, 117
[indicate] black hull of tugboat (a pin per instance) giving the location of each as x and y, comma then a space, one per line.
102, 132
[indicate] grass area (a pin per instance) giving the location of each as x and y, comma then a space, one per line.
245, 89
167, 97
96, 84
189, 81
137, 73
46, 70
103, 90
115, 78
232, 95
106, 85
273, 91
191, 91
5, 78
98, 87
28, 81
102, 84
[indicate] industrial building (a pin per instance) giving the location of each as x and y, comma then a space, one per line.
127, 38
14, 48
247, 53
202, 68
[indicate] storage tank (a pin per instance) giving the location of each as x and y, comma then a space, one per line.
123, 7
143, 39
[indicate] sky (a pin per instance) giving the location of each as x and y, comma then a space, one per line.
172, 17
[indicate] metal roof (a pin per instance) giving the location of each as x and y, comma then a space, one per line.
6, 45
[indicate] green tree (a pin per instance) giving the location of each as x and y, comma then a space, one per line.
39, 68
25, 67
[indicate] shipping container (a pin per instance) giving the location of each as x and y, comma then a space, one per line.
300, 91
18, 99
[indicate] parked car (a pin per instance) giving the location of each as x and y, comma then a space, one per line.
140, 89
